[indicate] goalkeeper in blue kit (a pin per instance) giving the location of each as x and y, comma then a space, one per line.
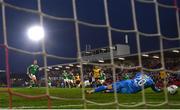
128, 86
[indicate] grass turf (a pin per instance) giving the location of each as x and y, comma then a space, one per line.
20, 102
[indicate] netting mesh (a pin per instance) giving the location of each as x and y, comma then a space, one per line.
79, 59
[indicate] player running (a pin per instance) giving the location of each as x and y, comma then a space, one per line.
129, 86
32, 70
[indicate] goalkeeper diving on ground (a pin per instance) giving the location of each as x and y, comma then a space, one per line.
128, 86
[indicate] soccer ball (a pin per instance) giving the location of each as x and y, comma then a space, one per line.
172, 89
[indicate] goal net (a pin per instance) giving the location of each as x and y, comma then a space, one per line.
146, 40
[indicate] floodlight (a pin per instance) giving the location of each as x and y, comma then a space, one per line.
36, 33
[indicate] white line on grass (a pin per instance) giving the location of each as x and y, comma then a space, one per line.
81, 105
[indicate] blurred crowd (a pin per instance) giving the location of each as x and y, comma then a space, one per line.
71, 77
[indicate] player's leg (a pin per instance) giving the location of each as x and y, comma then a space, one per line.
34, 80
69, 83
93, 82
125, 87
99, 89
98, 83
103, 88
124, 90
30, 81
49, 84
78, 83
37, 81
65, 83
74, 83
119, 88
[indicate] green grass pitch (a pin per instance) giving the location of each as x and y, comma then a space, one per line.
20, 102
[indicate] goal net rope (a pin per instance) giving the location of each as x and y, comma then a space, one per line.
79, 59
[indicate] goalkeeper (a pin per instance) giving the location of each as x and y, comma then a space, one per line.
32, 70
128, 86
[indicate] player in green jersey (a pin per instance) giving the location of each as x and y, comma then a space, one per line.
65, 78
49, 82
102, 77
71, 79
126, 76
32, 70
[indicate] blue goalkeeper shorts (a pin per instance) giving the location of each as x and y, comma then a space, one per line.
123, 87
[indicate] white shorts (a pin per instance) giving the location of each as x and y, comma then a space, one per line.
66, 80
102, 81
71, 81
86, 83
33, 77
49, 84
93, 79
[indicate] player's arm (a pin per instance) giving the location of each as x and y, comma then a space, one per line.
28, 69
38, 68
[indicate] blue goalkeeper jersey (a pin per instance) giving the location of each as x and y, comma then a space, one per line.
134, 85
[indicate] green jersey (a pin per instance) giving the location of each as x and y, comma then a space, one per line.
33, 69
102, 76
70, 77
65, 75
49, 80
126, 77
